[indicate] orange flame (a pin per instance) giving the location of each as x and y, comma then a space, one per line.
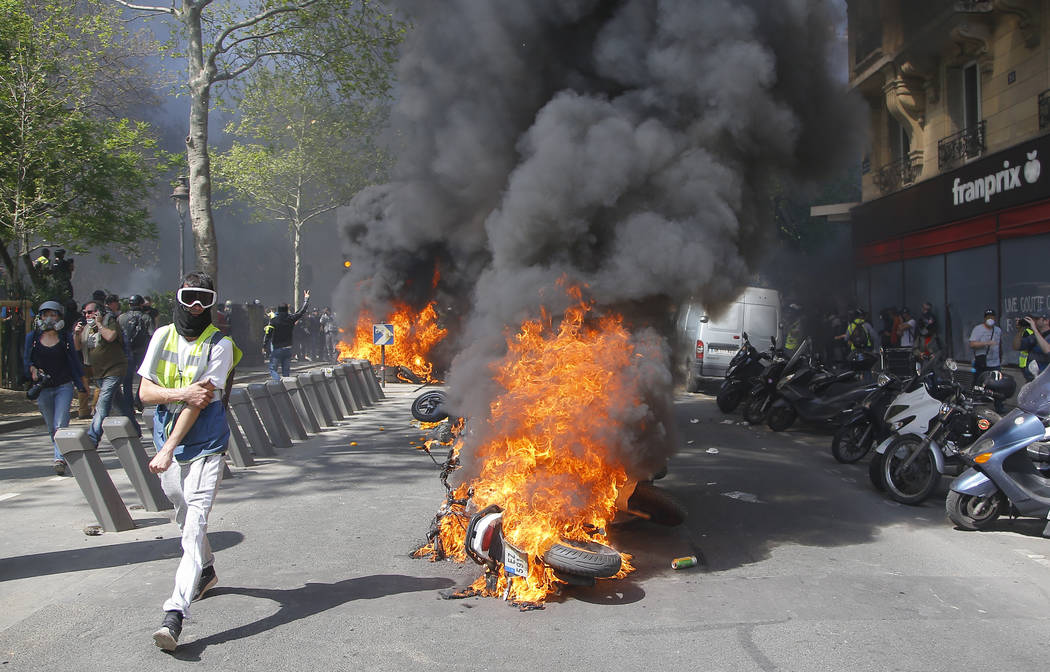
415, 335
545, 452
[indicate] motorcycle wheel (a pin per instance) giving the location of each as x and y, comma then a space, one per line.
971, 512
663, 509
781, 418
583, 558
915, 483
429, 407
757, 409
875, 472
852, 441
728, 400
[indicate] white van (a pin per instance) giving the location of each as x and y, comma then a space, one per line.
706, 341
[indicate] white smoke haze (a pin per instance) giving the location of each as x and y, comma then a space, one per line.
628, 146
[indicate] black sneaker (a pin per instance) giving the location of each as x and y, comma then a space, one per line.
207, 581
60, 467
167, 637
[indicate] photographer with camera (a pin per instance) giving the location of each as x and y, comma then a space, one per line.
53, 366
102, 339
1031, 340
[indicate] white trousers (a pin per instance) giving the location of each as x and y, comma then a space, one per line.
191, 488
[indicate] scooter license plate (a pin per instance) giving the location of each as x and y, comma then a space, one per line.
515, 562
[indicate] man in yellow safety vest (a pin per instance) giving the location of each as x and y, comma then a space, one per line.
187, 366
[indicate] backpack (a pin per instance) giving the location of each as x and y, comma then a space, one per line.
858, 338
136, 331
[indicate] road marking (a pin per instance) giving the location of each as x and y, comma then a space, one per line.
57, 478
7, 496
1034, 557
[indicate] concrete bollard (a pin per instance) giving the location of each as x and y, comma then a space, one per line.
238, 450
132, 455
313, 399
267, 411
80, 454
289, 417
357, 385
301, 404
241, 406
373, 380
362, 375
330, 381
343, 383
324, 393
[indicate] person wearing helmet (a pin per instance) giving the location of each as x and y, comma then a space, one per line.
1036, 343
52, 365
137, 328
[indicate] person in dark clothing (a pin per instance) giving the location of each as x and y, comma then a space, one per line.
279, 337
137, 328
1036, 343
49, 350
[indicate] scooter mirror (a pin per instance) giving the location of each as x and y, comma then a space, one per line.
773, 341
745, 337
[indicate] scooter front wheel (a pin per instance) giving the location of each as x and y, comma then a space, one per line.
852, 441
971, 512
729, 399
781, 417
757, 409
917, 481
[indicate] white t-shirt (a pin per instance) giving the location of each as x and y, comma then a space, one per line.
219, 362
981, 334
908, 335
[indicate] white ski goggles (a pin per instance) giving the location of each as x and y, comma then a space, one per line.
188, 296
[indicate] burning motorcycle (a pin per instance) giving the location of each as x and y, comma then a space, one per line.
458, 529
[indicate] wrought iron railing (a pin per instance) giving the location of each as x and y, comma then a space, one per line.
1044, 109
897, 174
966, 144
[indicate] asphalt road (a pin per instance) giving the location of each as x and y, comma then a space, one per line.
806, 568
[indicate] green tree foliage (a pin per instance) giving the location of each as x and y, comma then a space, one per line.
72, 174
302, 151
349, 45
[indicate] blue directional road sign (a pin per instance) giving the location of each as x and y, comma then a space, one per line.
383, 334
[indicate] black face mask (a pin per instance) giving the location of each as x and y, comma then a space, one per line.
187, 324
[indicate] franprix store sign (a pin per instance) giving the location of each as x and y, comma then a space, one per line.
1005, 179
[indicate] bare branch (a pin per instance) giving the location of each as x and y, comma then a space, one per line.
146, 8
221, 48
232, 74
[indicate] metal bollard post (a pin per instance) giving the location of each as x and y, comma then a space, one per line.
128, 446
80, 454
237, 449
373, 380
324, 393
241, 406
363, 375
301, 404
268, 414
357, 386
330, 381
314, 400
283, 401
343, 383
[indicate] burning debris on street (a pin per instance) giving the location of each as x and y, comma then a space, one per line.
417, 332
596, 144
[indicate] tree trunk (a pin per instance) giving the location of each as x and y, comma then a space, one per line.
297, 257
205, 244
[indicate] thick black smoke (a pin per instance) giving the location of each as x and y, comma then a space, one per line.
627, 145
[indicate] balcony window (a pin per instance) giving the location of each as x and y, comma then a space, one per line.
967, 144
897, 174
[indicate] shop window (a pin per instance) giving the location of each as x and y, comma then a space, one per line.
972, 288
1026, 286
924, 281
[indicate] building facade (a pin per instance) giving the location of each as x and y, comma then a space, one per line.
956, 180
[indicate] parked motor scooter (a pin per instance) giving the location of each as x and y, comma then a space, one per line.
746, 364
819, 396
912, 466
763, 387
864, 425
912, 411
1009, 467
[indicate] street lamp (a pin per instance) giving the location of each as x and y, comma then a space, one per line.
181, 196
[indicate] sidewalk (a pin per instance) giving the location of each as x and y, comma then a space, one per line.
22, 413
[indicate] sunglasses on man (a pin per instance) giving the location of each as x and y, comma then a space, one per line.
188, 296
